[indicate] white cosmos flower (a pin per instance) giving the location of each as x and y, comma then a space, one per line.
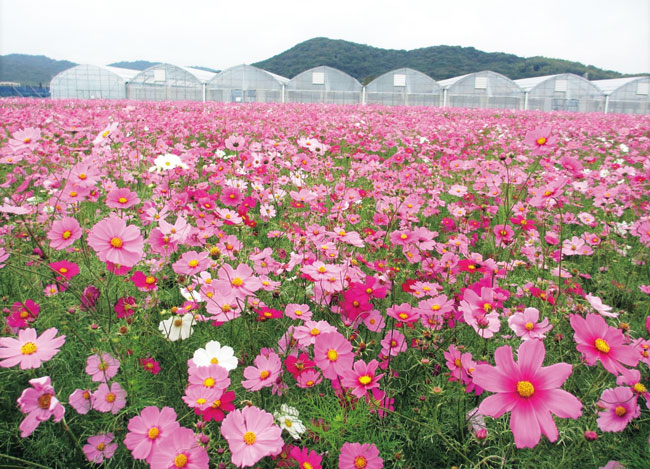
177, 327
215, 354
166, 162
288, 420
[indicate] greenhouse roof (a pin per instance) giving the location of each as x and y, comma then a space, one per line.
611, 85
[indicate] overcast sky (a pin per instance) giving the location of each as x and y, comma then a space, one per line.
610, 34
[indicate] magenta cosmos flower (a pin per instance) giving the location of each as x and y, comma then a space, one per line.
115, 242
100, 447
149, 429
63, 233
181, 450
529, 390
251, 435
360, 456
39, 403
28, 350
598, 341
620, 407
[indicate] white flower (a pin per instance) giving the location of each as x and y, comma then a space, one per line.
288, 420
166, 162
215, 354
177, 327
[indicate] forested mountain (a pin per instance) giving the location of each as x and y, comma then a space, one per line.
365, 62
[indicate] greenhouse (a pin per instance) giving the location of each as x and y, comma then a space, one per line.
323, 85
91, 82
626, 95
404, 86
166, 82
563, 92
484, 89
246, 84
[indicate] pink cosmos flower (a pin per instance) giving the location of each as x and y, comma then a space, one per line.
122, 198
251, 435
28, 350
333, 354
361, 378
525, 324
305, 458
65, 268
99, 447
620, 407
180, 450
266, 371
80, 400
63, 233
109, 400
115, 242
598, 341
39, 403
102, 368
357, 456
192, 263
529, 390
149, 429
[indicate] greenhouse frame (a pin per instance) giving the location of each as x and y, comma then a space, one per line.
167, 82
323, 85
562, 92
91, 82
405, 87
246, 84
626, 95
484, 89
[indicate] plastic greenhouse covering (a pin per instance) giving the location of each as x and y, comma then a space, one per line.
166, 82
246, 84
563, 92
406, 87
484, 89
323, 85
91, 82
626, 95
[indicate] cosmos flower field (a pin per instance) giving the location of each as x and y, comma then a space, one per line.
196, 285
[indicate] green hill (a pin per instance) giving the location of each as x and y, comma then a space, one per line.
34, 70
365, 62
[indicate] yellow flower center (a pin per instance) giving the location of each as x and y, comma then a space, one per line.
620, 411
264, 374
541, 140
208, 382
66, 234
332, 355
249, 438
365, 379
110, 397
525, 388
529, 326
180, 460
360, 462
153, 433
101, 446
602, 346
640, 388
122, 200
237, 282
28, 348
150, 280
116, 242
